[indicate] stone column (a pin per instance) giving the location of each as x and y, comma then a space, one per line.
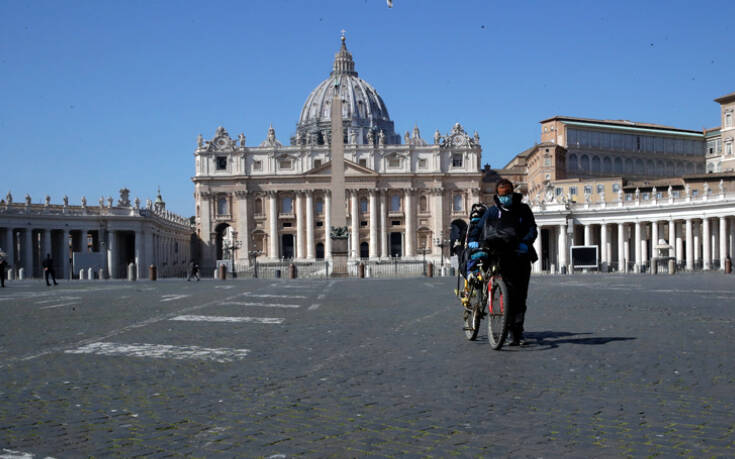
384, 225
374, 253
27, 261
637, 246
273, 224
310, 254
562, 256
47, 245
408, 212
604, 247
690, 245
537, 265
723, 242
299, 224
679, 243
706, 248
139, 255
65, 255
111, 254
9, 248
149, 252
327, 225
587, 234
354, 225
672, 236
243, 227
621, 248
697, 231
437, 213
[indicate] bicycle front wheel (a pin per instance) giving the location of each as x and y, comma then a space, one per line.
497, 305
472, 316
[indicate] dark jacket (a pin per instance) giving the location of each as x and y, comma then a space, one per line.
518, 219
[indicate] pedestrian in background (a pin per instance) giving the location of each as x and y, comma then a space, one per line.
193, 271
48, 269
3, 264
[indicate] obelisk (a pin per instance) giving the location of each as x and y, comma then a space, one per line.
337, 211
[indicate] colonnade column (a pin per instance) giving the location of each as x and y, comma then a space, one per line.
562, 243
637, 246
706, 247
273, 223
9, 248
697, 234
410, 227
243, 219
384, 224
537, 246
654, 238
65, 255
139, 254
299, 225
587, 234
723, 242
690, 244
47, 244
327, 225
355, 225
679, 243
604, 247
622, 255
672, 235
111, 255
373, 209
27, 261
310, 225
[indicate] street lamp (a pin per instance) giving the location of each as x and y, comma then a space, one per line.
423, 251
441, 243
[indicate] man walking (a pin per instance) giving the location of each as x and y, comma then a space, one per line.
193, 271
3, 264
48, 269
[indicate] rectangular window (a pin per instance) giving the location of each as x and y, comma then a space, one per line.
457, 203
319, 224
646, 196
319, 207
285, 164
547, 161
559, 191
616, 187
286, 224
395, 203
676, 194
362, 162
728, 120
728, 148
659, 195
628, 197
422, 164
363, 223
572, 190
457, 160
395, 222
286, 205
695, 193
221, 163
588, 189
317, 162
394, 163
257, 165
600, 188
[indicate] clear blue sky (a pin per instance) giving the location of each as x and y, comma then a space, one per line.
100, 95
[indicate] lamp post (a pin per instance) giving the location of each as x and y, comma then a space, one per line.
423, 251
254, 253
441, 243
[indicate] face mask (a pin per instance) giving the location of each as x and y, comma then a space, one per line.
506, 200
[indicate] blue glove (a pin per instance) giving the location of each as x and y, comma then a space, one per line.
474, 245
522, 248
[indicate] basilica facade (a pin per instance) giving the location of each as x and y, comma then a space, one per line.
274, 199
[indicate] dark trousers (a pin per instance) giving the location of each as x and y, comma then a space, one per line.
517, 274
2, 277
49, 272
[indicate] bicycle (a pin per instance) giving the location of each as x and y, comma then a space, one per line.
486, 294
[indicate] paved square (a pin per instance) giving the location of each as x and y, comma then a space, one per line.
616, 366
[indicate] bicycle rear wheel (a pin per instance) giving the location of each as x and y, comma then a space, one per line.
472, 316
497, 305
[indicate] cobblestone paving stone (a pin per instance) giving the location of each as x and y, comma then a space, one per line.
616, 366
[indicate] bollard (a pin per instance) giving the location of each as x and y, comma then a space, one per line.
292, 271
11, 274
728, 265
672, 266
430, 270
101, 274
90, 274
443, 271
152, 272
361, 270
81, 274
222, 272
215, 276
131, 272
368, 271
278, 273
21, 274
654, 266
563, 270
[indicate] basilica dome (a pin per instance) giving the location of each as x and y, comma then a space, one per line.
364, 114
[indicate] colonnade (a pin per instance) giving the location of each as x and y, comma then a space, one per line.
694, 242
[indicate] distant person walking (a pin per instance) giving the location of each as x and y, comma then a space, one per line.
193, 271
3, 264
48, 269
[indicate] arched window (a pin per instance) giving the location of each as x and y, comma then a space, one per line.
395, 203
457, 203
669, 168
639, 167
618, 166
572, 164
650, 167
222, 206
423, 205
584, 163
596, 165
628, 166
690, 168
606, 165
364, 250
258, 206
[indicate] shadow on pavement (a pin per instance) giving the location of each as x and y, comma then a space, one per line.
552, 339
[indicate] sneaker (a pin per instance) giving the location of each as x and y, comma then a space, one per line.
516, 339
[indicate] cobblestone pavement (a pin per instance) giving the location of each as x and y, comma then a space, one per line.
616, 366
